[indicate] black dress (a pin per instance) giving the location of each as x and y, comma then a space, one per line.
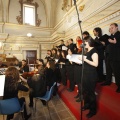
100, 49
70, 74
89, 81
62, 68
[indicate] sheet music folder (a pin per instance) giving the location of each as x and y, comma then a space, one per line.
2, 84
74, 58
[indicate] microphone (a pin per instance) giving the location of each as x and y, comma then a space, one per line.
74, 2
82, 45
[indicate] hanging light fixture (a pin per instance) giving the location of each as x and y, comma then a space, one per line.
29, 35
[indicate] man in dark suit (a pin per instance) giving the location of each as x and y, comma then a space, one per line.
72, 46
114, 55
100, 48
61, 45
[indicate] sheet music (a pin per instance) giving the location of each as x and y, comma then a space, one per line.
75, 58
2, 84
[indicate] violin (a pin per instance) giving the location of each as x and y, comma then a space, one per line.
28, 74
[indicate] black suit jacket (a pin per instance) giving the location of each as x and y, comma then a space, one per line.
114, 49
99, 47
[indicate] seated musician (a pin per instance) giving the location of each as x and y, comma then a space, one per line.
17, 63
37, 84
12, 86
39, 63
2, 65
24, 67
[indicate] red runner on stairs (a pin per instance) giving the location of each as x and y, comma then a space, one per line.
108, 102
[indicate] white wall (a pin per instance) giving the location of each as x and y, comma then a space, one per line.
58, 11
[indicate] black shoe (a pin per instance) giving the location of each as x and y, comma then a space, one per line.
30, 105
78, 100
77, 96
85, 107
90, 114
118, 90
28, 116
105, 84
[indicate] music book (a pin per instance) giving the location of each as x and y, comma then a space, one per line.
2, 84
64, 48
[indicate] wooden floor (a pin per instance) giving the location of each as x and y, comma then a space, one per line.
58, 110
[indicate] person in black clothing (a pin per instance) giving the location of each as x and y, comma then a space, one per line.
85, 34
70, 72
49, 55
17, 63
113, 56
62, 66
61, 45
37, 84
12, 86
24, 67
49, 73
72, 46
100, 48
54, 53
90, 77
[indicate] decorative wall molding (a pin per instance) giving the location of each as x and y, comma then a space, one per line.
20, 17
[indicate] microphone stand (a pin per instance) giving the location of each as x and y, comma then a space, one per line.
82, 46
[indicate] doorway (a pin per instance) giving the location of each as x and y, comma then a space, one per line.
31, 56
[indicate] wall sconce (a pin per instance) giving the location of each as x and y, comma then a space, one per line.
29, 35
81, 8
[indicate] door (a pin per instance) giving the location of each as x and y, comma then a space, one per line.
31, 56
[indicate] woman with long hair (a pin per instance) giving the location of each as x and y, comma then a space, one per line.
12, 86
49, 73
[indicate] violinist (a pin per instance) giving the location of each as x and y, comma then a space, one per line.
37, 85
24, 67
40, 62
17, 63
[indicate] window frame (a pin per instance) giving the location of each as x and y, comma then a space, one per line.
34, 13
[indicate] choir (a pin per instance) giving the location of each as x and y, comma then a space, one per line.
59, 69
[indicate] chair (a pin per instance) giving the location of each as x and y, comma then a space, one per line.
46, 97
10, 106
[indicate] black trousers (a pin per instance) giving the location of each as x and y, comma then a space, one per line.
100, 70
89, 83
70, 74
63, 76
109, 71
21, 101
115, 65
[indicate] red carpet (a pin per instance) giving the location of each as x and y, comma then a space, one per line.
108, 103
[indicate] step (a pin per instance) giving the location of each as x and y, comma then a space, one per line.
108, 106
